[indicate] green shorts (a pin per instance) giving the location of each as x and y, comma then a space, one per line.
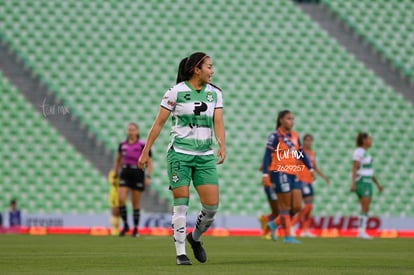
364, 187
183, 168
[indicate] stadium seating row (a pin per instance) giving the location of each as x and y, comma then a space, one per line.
387, 25
39, 167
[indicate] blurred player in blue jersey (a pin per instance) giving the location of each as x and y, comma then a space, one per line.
15, 219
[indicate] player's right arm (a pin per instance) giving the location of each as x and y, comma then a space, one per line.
167, 106
156, 128
271, 144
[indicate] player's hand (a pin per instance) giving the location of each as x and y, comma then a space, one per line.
328, 181
221, 155
380, 188
147, 181
266, 180
353, 187
313, 174
143, 160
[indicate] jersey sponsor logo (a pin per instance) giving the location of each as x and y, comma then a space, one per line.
193, 125
171, 103
210, 96
187, 97
199, 107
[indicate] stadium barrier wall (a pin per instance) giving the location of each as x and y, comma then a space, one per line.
151, 220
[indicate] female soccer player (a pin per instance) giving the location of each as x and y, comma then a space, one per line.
362, 178
131, 176
197, 109
306, 178
280, 165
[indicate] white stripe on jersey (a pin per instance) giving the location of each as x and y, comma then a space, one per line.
200, 133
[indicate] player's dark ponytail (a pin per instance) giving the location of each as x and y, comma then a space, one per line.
188, 64
360, 139
281, 115
181, 75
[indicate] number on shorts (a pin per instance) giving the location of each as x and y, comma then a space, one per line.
284, 183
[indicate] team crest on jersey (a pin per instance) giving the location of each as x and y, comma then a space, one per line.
210, 97
175, 177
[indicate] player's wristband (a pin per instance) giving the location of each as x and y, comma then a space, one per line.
311, 170
265, 175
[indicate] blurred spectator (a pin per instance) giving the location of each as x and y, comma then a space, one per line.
14, 215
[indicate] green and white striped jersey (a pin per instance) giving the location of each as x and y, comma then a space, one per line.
365, 162
192, 117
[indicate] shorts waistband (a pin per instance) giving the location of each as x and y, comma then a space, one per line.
130, 166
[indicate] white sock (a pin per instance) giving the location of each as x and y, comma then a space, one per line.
179, 226
363, 223
204, 220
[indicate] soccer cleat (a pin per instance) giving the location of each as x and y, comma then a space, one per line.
199, 252
266, 237
124, 230
308, 234
364, 235
183, 260
273, 228
135, 233
263, 226
291, 240
114, 232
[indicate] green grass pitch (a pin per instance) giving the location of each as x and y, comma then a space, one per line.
55, 254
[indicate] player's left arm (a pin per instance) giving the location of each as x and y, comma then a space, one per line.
220, 134
305, 158
379, 186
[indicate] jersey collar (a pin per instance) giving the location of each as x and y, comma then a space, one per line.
279, 130
192, 89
